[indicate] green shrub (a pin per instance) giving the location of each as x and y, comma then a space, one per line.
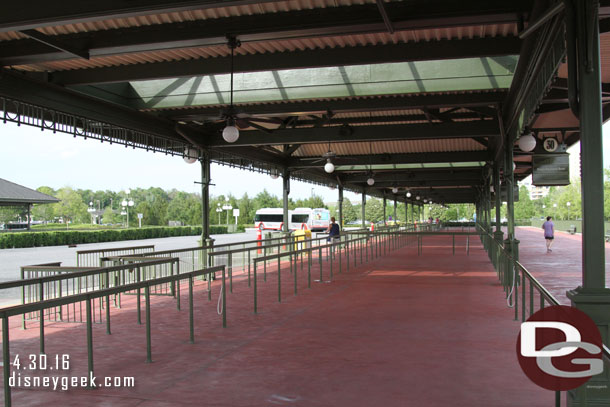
66, 237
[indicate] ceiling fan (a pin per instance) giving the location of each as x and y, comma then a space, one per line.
329, 157
231, 116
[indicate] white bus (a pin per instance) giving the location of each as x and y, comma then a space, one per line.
301, 218
269, 218
316, 219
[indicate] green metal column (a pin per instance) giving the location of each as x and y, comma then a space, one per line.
206, 178
341, 206
363, 208
205, 197
286, 192
406, 212
498, 234
384, 208
395, 203
511, 244
592, 298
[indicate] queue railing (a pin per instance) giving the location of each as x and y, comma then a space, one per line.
524, 293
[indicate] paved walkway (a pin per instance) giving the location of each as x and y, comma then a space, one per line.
560, 270
402, 330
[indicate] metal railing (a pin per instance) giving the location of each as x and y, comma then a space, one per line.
130, 278
52, 282
516, 278
101, 296
85, 258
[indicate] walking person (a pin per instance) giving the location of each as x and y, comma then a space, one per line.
549, 233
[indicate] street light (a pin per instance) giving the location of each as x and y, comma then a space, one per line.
218, 211
227, 207
126, 204
91, 209
568, 204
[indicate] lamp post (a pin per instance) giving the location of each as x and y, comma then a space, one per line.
227, 207
218, 211
568, 204
91, 209
126, 204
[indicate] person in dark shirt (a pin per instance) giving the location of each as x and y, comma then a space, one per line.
333, 230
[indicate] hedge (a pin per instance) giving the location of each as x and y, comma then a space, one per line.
37, 239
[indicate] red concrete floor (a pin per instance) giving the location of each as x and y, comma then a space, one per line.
403, 330
560, 270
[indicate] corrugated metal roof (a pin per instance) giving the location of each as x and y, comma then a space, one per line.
391, 147
265, 47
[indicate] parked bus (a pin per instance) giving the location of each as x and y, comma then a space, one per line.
269, 218
301, 218
316, 219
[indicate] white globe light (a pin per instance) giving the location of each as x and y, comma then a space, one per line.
370, 181
394, 190
417, 197
124, 203
408, 195
189, 153
128, 191
329, 167
514, 166
527, 143
274, 174
230, 134
425, 200
130, 203
331, 187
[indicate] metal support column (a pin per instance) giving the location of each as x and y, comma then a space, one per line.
395, 203
286, 192
341, 206
592, 298
206, 178
363, 209
384, 210
498, 234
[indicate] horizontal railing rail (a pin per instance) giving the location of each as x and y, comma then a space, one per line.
57, 282
92, 257
514, 276
100, 295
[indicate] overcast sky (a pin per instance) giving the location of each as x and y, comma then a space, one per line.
33, 158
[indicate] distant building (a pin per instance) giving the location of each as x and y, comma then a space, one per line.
534, 191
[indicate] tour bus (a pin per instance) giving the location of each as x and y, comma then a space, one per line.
269, 218
301, 218
316, 219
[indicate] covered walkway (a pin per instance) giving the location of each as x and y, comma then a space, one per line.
401, 330
560, 270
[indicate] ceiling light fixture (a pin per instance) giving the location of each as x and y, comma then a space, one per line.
329, 167
527, 142
231, 133
190, 155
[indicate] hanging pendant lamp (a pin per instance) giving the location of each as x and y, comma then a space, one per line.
231, 133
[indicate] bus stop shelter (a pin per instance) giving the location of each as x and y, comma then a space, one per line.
15, 195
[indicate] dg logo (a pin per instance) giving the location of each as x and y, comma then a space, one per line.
560, 348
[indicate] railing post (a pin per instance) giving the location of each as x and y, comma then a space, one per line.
6, 357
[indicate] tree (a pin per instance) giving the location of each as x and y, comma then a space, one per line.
374, 210
349, 211
44, 211
185, 208
71, 206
